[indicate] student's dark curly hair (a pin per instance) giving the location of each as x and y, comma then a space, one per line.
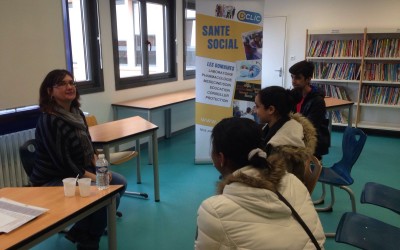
46, 103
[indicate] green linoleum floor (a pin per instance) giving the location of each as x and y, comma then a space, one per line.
171, 223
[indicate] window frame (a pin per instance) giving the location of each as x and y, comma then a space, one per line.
93, 45
170, 36
187, 74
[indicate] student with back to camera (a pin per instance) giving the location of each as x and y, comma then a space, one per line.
311, 104
64, 149
247, 212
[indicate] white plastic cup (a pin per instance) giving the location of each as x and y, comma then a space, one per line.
69, 186
84, 186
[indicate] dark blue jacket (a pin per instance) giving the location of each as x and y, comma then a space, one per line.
314, 109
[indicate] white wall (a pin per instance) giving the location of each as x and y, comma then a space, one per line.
31, 44
329, 14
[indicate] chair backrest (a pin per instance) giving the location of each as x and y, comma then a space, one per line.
367, 233
381, 195
27, 155
352, 144
91, 120
312, 172
116, 157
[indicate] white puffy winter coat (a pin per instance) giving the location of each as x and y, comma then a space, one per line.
245, 217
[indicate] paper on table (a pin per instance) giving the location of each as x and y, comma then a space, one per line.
14, 214
5, 219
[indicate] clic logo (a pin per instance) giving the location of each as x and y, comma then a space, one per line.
249, 17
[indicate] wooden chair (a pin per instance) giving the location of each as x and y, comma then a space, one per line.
312, 172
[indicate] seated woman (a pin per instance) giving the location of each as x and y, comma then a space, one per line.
64, 149
247, 212
292, 136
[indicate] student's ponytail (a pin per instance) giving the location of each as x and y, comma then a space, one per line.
258, 158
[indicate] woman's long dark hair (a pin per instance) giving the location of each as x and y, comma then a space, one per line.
46, 103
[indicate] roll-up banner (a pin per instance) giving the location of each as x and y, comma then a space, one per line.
228, 65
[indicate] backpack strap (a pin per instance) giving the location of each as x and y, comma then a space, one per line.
300, 220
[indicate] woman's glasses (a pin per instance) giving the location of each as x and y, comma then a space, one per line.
64, 84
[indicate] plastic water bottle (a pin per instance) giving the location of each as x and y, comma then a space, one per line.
102, 178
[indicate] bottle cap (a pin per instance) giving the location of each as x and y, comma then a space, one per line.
101, 156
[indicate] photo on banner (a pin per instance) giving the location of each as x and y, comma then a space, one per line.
229, 39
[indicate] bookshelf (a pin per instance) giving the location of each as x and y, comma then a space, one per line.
363, 66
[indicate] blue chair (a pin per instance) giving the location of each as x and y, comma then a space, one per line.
367, 233
339, 174
381, 195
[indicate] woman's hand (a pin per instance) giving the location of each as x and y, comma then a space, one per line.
109, 177
90, 175
94, 159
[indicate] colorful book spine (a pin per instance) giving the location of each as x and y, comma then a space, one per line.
334, 48
389, 47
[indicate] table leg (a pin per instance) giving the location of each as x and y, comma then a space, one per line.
115, 113
115, 117
167, 119
350, 118
155, 167
138, 175
150, 148
112, 224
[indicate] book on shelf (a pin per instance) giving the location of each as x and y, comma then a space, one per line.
334, 48
388, 47
369, 58
333, 91
380, 95
338, 92
389, 72
337, 71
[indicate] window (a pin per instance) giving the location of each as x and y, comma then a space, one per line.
152, 50
123, 55
148, 30
189, 32
83, 51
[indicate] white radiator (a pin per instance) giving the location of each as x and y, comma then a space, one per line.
12, 173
